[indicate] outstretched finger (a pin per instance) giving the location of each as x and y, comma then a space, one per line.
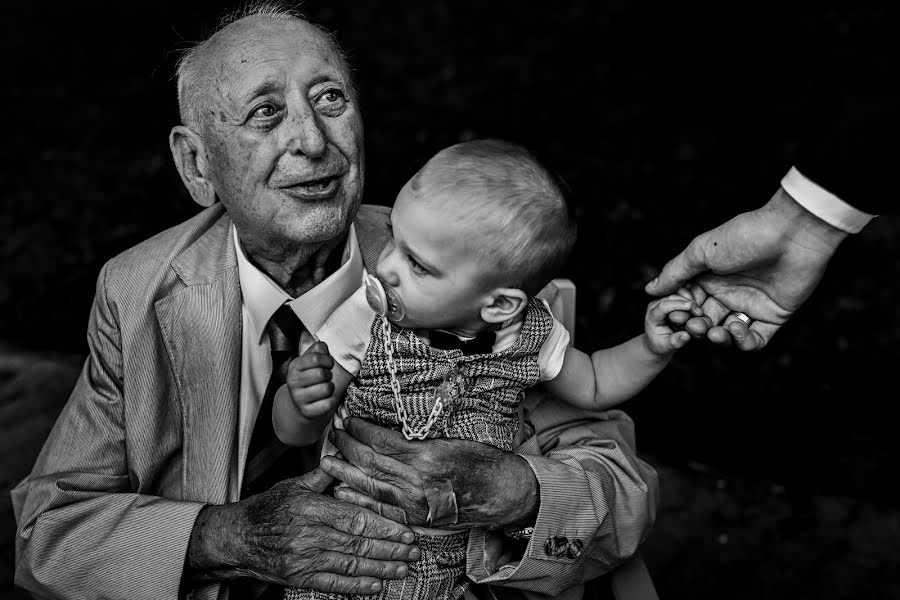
363, 446
316, 480
389, 539
357, 479
392, 512
339, 584
681, 269
356, 563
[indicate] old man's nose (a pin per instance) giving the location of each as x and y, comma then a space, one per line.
306, 136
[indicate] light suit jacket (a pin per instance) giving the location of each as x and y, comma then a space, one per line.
149, 433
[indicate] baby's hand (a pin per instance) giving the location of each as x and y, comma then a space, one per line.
309, 382
661, 338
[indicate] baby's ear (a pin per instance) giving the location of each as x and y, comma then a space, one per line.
506, 304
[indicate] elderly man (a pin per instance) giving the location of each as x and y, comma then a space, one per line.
159, 478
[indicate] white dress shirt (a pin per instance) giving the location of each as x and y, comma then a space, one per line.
261, 297
823, 203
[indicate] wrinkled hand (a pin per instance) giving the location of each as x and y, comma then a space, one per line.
293, 535
404, 480
764, 263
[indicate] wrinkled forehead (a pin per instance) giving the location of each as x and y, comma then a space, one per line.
258, 51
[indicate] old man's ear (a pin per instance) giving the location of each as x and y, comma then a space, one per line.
190, 160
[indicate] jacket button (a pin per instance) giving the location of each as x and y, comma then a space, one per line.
556, 545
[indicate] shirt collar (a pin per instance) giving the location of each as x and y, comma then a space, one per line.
262, 297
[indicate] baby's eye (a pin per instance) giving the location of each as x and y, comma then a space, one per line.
417, 268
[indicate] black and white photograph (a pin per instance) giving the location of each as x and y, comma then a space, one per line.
481, 300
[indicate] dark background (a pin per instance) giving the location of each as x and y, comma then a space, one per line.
777, 468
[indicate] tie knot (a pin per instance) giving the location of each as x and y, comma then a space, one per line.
284, 330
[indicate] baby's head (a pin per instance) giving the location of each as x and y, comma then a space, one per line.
477, 231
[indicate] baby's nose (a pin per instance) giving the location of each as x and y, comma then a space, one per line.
386, 273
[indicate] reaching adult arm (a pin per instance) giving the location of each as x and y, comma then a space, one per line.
576, 479
764, 263
767, 262
83, 530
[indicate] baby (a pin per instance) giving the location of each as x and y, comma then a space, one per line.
451, 332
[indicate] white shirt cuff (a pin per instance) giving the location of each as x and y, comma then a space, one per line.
823, 203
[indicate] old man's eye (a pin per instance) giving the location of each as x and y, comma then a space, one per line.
266, 111
331, 102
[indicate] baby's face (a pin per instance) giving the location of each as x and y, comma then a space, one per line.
433, 265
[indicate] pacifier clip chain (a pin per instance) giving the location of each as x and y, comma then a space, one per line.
411, 434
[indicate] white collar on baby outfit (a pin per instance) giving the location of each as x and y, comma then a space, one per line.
506, 335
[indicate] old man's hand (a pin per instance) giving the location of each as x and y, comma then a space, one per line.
436, 482
295, 536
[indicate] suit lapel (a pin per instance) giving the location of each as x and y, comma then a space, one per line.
201, 326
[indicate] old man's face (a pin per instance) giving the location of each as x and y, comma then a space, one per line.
283, 136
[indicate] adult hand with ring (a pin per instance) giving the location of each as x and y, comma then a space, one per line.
764, 263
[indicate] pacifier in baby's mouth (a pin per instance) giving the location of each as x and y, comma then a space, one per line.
382, 299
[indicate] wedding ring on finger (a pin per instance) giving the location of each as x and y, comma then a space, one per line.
743, 318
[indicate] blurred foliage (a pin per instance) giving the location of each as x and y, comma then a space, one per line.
664, 121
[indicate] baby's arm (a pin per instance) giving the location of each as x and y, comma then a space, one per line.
316, 384
613, 375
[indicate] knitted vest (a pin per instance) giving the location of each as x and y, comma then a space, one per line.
486, 410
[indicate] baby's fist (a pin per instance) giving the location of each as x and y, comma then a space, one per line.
660, 337
309, 382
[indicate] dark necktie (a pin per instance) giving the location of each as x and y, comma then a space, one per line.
483, 343
265, 448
